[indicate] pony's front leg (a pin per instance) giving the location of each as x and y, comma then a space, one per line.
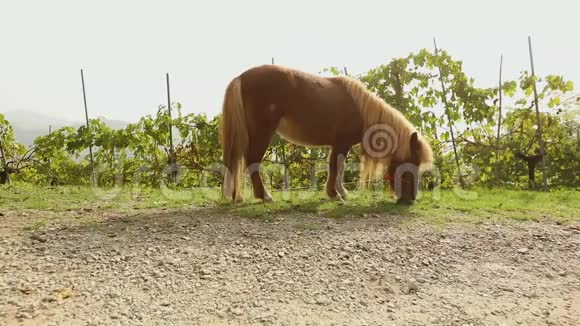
332, 173
334, 183
341, 166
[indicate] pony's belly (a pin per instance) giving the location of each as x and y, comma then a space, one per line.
297, 134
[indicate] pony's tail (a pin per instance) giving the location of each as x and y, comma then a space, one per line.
234, 140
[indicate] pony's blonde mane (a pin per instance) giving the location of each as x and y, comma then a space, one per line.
375, 111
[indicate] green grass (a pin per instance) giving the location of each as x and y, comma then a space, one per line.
438, 207
74, 198
36, 225
498, 204
443, 206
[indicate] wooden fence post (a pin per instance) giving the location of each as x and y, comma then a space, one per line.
497, 150
93, 180
538, 119
171, 160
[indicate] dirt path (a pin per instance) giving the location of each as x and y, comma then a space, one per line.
178, 267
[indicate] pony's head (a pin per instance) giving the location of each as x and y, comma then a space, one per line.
404, 173
388, 139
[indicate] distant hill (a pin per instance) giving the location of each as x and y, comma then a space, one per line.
28, 124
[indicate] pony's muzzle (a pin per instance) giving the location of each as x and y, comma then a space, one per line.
406, 181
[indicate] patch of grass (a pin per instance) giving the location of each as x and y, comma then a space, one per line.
498, 204
314, 203
306, 226
53, 198
36, 225
437, 207
27, 197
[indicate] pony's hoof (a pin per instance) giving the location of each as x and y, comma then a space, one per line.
338, 198
406, 202
267, 199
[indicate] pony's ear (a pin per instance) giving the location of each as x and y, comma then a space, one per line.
415, 141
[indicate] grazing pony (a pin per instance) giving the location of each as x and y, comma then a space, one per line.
316, 111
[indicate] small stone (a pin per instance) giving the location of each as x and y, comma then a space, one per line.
186, 238
323, 301
522, 250
412, 288
23, 315
506, 288
237, 311
165, 303
387, 289
530, 295
221, 314
25, 290
49, 299
258, 304
425, 262
281, 254
38, 238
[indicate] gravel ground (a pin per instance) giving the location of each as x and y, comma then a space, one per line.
180, 267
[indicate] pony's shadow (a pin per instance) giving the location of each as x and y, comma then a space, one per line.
222, 222
320, 207
198, 228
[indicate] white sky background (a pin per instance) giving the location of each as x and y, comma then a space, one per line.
126, 47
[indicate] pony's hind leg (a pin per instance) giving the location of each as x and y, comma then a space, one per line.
254, 157
260, 191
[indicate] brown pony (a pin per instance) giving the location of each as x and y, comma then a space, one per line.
311, 110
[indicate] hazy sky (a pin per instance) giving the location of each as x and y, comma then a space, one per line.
126, 47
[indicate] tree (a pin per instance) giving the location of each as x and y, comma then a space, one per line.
14, 157
140, 154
